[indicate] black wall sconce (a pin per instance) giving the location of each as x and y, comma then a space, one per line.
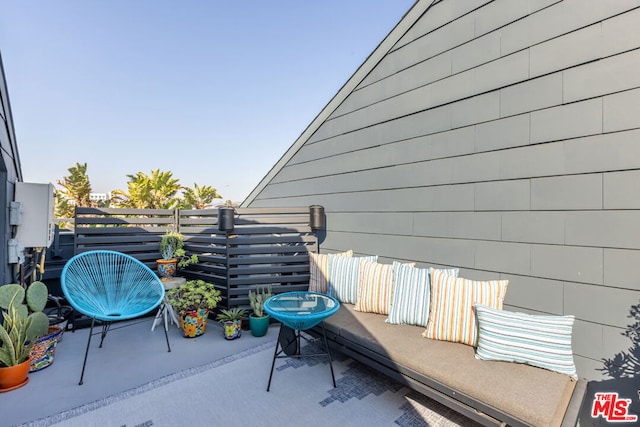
225, 219
317, 219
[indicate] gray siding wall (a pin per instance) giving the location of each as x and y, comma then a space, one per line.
501, 137
10, 172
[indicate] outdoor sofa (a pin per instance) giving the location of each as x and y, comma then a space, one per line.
487, 391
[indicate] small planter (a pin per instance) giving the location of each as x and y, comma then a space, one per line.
44, 349
13, 377
259, 325
166, 268
193, 323
232, 329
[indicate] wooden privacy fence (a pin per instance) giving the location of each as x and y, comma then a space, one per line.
238, 249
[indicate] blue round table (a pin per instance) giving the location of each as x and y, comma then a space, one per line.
297, 312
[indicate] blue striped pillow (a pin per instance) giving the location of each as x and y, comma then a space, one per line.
410, 302
538, 340
344, 277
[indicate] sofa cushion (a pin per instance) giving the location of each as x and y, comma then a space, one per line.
539, 340
451, 317
535, 396
319, 270
344, 277
410, 301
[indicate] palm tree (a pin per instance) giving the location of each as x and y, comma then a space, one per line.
155, 191
75, 191
199, 197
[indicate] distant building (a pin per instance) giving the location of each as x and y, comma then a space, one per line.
97, 197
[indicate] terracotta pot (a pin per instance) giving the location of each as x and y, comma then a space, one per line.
13, 377
166, 268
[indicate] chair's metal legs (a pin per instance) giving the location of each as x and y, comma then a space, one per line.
105, 329
86, 353
166, 336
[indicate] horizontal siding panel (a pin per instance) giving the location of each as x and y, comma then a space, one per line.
567, 192
502, 133
587, 339
438, 16
476, 225
599, 304
568, 50
622, 189
531, 95
532, 161
417, 75
476, 52
620, 111
533, 227
542, 295
379, 223
514, 258
569, 263
621, 268
602, 77
602, 153
567, 121
558, 19
609, 229
502, 195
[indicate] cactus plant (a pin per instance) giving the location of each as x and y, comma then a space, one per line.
257, 299
24, 322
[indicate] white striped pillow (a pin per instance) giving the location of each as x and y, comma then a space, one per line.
539, 340
344, 277
410, 302
319, 270
451, 317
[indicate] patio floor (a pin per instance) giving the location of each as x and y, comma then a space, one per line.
132, 355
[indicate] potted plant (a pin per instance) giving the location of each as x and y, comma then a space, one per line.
192, 301
259, 320
173, 255
231, 320
23, 323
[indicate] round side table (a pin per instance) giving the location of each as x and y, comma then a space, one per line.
299, 311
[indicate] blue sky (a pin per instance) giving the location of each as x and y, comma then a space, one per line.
214, 91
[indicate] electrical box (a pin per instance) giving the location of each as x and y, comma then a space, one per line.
36, 226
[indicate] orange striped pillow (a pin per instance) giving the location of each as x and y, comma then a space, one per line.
319, 270
452, 299
376, 287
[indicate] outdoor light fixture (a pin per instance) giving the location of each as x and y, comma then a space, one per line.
316, 217
225, 219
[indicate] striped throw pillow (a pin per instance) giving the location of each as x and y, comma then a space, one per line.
410, 302
344, 277
319, 270
376, 287
539, 340
451, 317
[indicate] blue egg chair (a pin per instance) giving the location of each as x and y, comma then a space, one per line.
110, 286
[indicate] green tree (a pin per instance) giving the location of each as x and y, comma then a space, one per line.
199, 197
75, 190
156, 191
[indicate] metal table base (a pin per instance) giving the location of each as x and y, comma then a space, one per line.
289, 344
